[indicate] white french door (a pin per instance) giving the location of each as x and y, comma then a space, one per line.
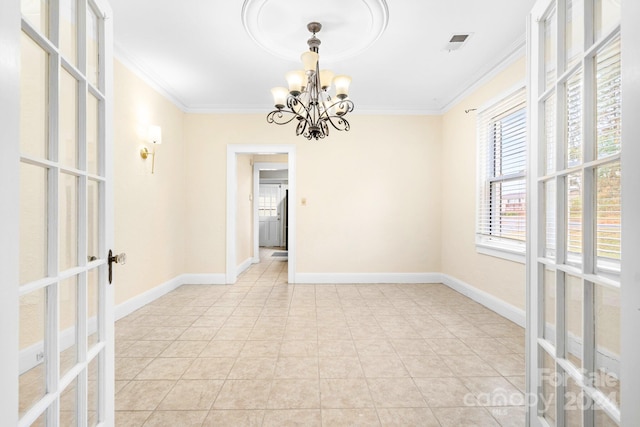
61, 310
575, 259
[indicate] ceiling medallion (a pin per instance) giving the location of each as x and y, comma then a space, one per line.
350, 26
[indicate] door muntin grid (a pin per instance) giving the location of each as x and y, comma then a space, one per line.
62, 213
575, 257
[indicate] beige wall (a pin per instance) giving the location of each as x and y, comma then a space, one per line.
502, 279
150, 209
244, 213
372, 194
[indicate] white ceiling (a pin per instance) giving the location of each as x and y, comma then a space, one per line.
198, 53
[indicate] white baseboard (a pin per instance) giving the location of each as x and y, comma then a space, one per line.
202, 279
355, 278
244, 265
515, 314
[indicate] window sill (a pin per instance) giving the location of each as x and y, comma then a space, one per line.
499, 251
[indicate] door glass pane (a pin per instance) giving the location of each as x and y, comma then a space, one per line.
36, 12
68, 218
606, 15
68, 120
68, 404
574, 218
550, 219
92, 134
574, 120
69, 30
33, 308
574, 31
602, 419
33, 223
608, 215
549, 332
549, 380
92, 307
550, 50
575, 401
607, 339
93, 220
68, 296
92, 47
34, 98
93, 392
550, 134
574, 297
608, 100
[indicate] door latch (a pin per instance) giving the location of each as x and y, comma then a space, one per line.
118, 259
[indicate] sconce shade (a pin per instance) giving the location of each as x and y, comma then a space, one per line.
155, 134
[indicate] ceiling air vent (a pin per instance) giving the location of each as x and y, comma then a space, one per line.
457, 41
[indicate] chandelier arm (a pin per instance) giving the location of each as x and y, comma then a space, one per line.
338, 123
281, 117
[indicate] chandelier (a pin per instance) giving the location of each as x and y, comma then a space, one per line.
307, 99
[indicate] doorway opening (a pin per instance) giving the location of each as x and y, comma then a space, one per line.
267, 158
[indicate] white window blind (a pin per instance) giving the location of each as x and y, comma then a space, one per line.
501, 208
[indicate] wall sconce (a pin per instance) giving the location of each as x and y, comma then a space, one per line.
155, 137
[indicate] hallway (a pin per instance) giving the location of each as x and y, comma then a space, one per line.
263, 352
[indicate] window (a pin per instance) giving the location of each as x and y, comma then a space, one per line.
502, 160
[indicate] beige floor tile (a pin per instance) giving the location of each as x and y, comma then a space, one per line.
427, 366
518, 381
253, 368
230, 333
507, 364
464, 417
337, 348
361, 417
494, 391
469, 366
221, 348
142, 395
192, 395
146, 349
445, 392
510, 416
165, 369
168, 333
208, 321
243, 394
374, 347
184, 349
395, 393
345, 393
449, 346
297, 367
407, 417
261, 348
131, 418
486, 346
293, 394
128, 367
502, 329
383, 367
299, 349
209, 368
412, 347
235, 418
198, 333
340, 367
176, 418
292, 418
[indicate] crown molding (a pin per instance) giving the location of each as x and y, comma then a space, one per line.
148, 76
515, 51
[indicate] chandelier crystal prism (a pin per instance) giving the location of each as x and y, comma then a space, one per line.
307, 98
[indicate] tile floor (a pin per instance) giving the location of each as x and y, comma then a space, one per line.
266, 353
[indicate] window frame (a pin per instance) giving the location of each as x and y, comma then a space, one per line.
514, 99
